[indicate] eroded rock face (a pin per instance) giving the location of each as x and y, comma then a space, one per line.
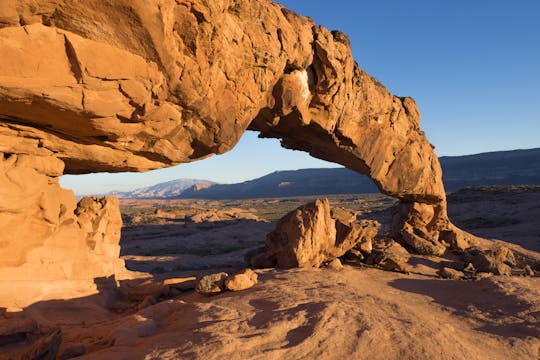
310, 236
141, 84
52, 247
133, 85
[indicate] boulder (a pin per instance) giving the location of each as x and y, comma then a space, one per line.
390, 256
242, 280
310, 236
485, 262
212, 284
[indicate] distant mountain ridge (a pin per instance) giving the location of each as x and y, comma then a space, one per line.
515, 167
169, 189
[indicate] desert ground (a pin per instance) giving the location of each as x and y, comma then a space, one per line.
358, 312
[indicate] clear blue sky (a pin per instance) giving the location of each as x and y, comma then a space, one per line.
473, 67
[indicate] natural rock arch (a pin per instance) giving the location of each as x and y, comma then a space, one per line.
129, 85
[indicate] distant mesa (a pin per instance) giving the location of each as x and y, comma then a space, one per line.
515, 167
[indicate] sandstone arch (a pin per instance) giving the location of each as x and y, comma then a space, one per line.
125, 85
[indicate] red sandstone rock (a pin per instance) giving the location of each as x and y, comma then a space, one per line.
242, 280
310, 236
137, 85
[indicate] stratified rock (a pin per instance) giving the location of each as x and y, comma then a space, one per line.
211, 284
145, 290
449, 273
147, 301
309, 236
242, 280
140, 85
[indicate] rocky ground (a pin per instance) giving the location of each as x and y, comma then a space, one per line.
170, 235
359, 311
507, 213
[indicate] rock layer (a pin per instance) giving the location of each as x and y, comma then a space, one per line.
133, 85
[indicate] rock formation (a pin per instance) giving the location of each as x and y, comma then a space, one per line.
312, 235
52, 247
137, 85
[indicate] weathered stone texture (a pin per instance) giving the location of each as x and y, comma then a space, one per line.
134, 85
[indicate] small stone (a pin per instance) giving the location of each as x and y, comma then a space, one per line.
242, 280
452, 274
335, 265
211, 284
